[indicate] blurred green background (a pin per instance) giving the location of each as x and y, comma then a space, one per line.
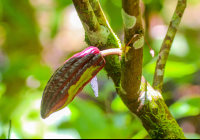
37, 36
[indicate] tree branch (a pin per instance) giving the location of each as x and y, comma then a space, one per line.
99, 33
132, 62
141, 99
166, 45
155, 115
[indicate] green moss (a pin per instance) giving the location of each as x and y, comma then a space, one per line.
142, 86
139, 77
157, 87
153, 104
85, 11
122, 61
163, 127
91, 20
114, 67
87, 40
114, 62
112, 40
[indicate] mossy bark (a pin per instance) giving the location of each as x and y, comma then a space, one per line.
141, 99
96, 27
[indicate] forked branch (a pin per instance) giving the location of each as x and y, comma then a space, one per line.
141, 99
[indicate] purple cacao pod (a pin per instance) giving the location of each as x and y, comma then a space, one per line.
69, 79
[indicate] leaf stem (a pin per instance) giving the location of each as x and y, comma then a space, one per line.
106, 52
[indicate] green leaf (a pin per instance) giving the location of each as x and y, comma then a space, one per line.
185, 107
173, 69
118, 105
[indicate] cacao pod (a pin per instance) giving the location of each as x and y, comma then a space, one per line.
69, 80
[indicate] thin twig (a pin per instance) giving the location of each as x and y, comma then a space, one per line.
125, 48
166, 45
131, 40
151, 50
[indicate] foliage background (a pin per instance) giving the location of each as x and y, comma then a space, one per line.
37, 36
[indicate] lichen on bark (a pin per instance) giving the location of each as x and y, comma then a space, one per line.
166, 45
141, 99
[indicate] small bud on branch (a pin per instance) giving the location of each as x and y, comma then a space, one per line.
151, 50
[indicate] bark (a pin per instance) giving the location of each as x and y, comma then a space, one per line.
166, 45
142, 100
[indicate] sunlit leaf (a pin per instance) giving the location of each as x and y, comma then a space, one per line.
173, 69
118, 105
185, 107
